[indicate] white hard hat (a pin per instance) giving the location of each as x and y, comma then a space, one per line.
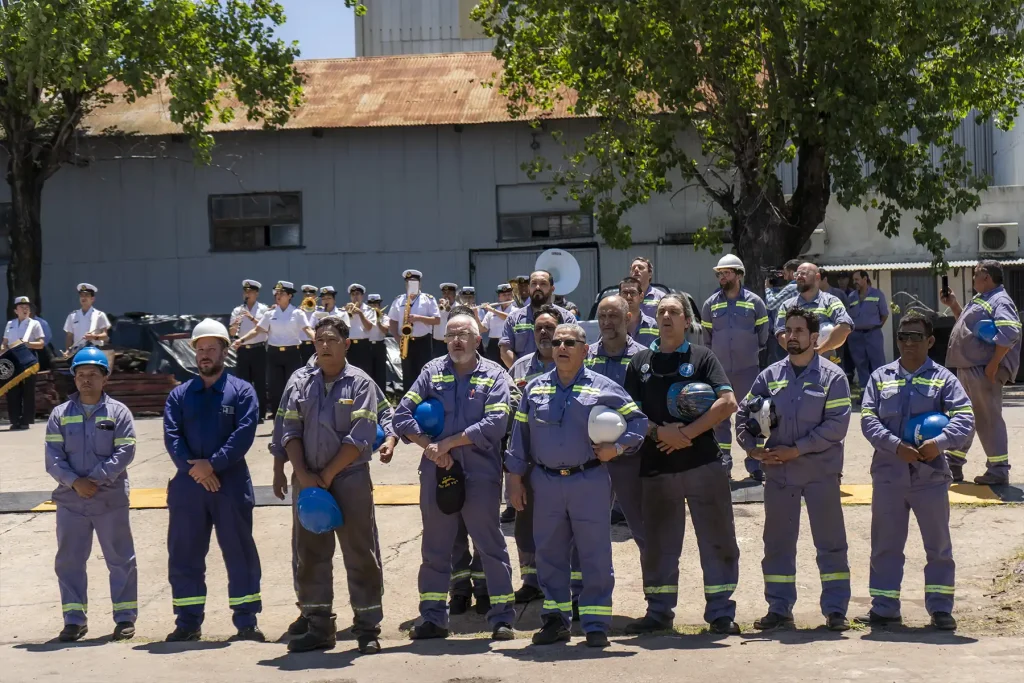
209, 328
730, 262
824, 332
605, 425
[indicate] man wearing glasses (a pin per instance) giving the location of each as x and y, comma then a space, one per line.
907, 478
828, 308
984, 367
572, 491
475, 394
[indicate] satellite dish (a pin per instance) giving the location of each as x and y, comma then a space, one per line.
564, 269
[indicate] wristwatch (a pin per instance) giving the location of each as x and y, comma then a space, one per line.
619, 449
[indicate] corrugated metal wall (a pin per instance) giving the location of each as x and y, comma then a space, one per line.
402, 27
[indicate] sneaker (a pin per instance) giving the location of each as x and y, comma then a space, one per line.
943, 621
299, 626
72, 632
503, 631
508, 515
528, 594
428, 630
647, 625
483, 604
837, 622
597, 639
554, 631
873, 619
123, 630
368, 645
989, 479
958, 473
458, 605
772, 621
183, 635
724, 626
575, 610
310, 641
250, 633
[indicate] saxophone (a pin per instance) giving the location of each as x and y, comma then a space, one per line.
406, 328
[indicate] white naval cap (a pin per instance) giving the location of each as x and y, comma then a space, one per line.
406, 274
354, 286
448, 285
251, 284
285, 286
503, 288
468, 290
309, 288
328, 290
86, 287
370, 298
21, 300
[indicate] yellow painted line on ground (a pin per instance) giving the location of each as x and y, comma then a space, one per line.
397, 494
959, 494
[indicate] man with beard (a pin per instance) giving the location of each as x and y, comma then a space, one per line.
642, 270
736, 324
209, 426
517, 337
803, 459
642, 328
828, 308
251, 357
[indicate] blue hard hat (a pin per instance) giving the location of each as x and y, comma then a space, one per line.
318, 511
687, 401
986, 331
924, 427
380, 438
90, 355
429, 415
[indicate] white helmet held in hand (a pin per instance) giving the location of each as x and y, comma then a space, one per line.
730, 262
209, 328
605, 425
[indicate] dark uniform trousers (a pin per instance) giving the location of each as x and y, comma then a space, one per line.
379, 368
282, 361
21, 402
361, 355
251, 366
468, 576
493, 352
420, 349
360, 551
306, 350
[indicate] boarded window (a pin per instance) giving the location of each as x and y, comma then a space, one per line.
248, 222
545, 226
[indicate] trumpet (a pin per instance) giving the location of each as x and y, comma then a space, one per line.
514, 284
351, 308
308, 305
443, 304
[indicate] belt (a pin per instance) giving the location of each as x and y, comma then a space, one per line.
566, 471
307, 342
285, 348
252, 346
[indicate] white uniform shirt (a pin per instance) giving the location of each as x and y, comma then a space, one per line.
285, 328
440, 327
375, 335
28, 330
320, 313
423, 304
246, 325
355, 323
80, 324
495, 324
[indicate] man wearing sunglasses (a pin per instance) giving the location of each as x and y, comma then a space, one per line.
572, 491
983, 367
906, 477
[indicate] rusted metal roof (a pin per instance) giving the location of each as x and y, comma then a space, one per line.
418, 90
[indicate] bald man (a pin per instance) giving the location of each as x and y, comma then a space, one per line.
828, 308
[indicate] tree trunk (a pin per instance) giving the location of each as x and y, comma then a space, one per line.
26, 179
760, 240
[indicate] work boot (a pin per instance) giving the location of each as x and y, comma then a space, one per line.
724, 626
958, 473
72, 632
183, 635
368, 645
251, 633
772, 621
299, 626
458, 605
757, 476
503, 631
647, 625
123, 630
989, 479
554, 631
575, 610
873, 619
428, 630
483, 604
528, 594
597, 639
508, 515
837, 622
310, 641
943, 621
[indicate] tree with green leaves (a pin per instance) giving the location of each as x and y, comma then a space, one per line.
58, 59
841, 87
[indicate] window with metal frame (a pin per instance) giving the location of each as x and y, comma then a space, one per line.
255, 221
526, 227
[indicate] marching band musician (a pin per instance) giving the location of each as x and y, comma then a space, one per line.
361, 320
251, 359
328, 307
309, 292
21, 398
376, 337
523, 287
444, 307
494, 320
423, 314
88, 324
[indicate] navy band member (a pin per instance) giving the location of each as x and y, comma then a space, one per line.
517, 336
88, 324
445, 302
909, 479
494, 319
361, 320
423, 315
802, 459
681, 466
309, 292
642, 270
376, 337
21, 398
643, 329
251, 357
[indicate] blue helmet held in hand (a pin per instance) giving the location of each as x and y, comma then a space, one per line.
986, 331
380, 438
429, 415
318, 511
924, 427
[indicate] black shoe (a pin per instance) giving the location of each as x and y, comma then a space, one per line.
647, 625
251, 633
19, 428
724, 626
123, 630
368, 645
299, 626
872, 619
617, 517
428, 630
943, 621
575, 610
528, 594
597, 639
483, 604
757, 476
260, 421
508, 515
958, 473
503, 631
837, 622
183, 635
553, 632
772, 621
72, 632
458, 605
987, 479
310, 641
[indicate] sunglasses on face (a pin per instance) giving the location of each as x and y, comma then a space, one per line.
569, 343
910, 336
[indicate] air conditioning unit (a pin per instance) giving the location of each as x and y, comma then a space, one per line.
815, 246
998, 238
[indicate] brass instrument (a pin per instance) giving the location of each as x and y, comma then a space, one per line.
308, 304
514, 284
403, 345
351, 308
443, 304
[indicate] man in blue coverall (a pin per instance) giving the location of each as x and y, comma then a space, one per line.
209, 426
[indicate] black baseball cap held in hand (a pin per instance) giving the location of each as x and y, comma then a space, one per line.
451, 489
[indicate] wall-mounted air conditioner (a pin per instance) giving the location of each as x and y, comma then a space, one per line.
998, 238
815, 246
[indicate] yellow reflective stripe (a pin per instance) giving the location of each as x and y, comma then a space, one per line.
625, 361
722, 304
482, 381
370, 415
365, 609
561, 606
280, 412
433, 597
1007, 323
503, 599
522, 327
628, 408
838, 403
959, 454
724, 588
583, 389
961, 411
591, 362
981, 302
780, 384
575, 576
479, 575
291, 415
521, 416
442, 378
725, 446
188, 602
838, 576
998, 458
596, 610
864, 412
414, 397
542, 389
126, 441
891, 384
70, 420
871, 298
938, 382
936, 588
75, 607
659, 590
879, 593
525, 571
383, 405
779, 578
255, 597
54, 438
836, 306
497, 408
120, 606
707, 324
649, 330
761, 321
460, 575
745, 304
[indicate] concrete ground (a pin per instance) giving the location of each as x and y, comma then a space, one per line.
984, 538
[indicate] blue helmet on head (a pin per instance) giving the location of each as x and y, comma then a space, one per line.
90, 355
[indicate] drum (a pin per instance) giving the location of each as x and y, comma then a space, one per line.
16, 364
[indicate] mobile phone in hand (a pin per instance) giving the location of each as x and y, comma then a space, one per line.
945, 285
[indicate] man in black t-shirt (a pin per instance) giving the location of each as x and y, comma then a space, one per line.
680, 465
